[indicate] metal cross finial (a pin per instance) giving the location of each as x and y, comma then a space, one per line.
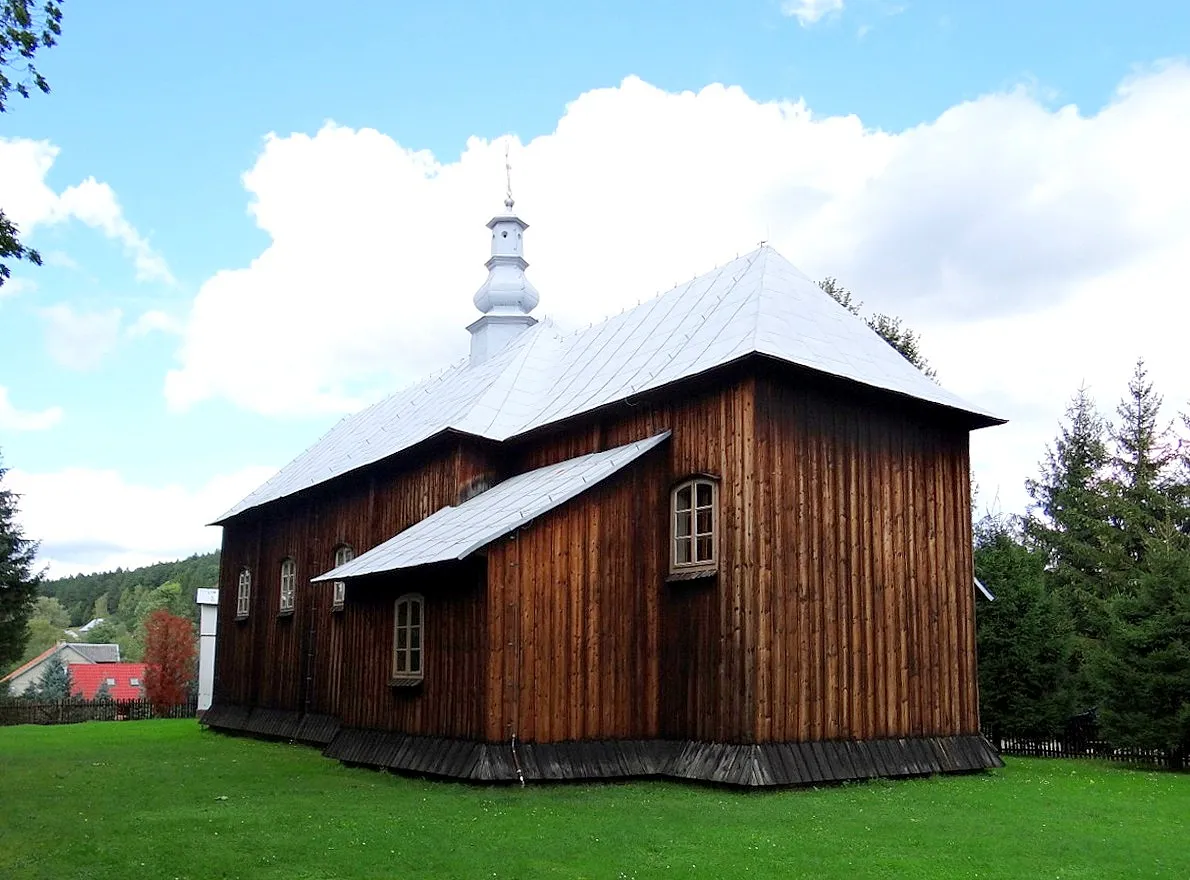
507, 179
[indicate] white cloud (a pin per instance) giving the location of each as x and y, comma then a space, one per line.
1034, 247
88, 520
154, 321
13, 419
80, 340
29, 201
59, 258
808, 12
14, 286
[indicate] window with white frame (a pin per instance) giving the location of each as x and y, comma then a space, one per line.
135, 682
694, 526
243, 593
408, 645
343, 555
288, 584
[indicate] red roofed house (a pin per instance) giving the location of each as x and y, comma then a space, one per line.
70, 653
125, 681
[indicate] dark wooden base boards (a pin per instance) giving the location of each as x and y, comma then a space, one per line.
748, 765
314, 730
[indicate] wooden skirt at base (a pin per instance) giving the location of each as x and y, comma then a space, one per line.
747, 765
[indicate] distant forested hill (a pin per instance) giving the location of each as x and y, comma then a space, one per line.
124, 599
80, 594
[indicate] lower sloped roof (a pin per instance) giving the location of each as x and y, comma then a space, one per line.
454, 533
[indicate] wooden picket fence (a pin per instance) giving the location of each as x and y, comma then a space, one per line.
1082, 739
21, 711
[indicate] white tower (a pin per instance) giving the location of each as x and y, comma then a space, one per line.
507, 296
208, 602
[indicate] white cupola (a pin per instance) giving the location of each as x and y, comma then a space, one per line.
507, 296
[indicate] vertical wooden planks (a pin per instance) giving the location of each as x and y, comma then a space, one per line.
841, 608
879, 535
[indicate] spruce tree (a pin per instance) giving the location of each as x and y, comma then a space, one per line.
1024, 639
1142, 672
55, 683
103, 694
1070, 524
1070, 517
1142, 483
18, 583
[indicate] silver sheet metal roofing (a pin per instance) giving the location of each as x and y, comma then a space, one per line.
98, 653
456, 532
757, 304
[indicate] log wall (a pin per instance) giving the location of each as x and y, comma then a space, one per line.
692, 681
864, 620
842, 607
312, 660
573, 607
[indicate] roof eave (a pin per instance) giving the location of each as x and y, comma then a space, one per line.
976, 418
437, 435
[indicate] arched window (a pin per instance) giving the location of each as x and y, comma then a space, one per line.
694, 525
407, 639
288, 584
243, 594
343, 555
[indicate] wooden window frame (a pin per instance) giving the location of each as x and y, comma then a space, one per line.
288, 592
339, 588
694, 565
244, 594
404, 673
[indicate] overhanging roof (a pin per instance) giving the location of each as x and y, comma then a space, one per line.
756, 304
455, 533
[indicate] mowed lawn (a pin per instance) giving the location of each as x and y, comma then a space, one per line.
166, 799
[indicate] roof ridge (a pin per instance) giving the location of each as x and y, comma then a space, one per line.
758, 303
591, 333
760, 290
527, 348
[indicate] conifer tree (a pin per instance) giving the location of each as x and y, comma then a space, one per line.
103, 694
1070, 515
1142, 463
1024, 638
18, 582
1142, 672
55, 683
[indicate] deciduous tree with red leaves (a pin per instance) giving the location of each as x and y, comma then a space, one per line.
169, 656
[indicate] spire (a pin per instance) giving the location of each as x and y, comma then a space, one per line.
507, 296
508, 202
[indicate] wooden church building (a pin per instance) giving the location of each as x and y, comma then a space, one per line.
724, 536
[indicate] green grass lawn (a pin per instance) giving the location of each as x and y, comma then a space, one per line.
166, 799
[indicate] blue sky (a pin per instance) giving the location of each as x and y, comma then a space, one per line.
169, 105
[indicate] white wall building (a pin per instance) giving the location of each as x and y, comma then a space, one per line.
208, 603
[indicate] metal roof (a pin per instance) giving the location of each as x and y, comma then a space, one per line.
756, 304
106, 653
987, 594
456, 532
